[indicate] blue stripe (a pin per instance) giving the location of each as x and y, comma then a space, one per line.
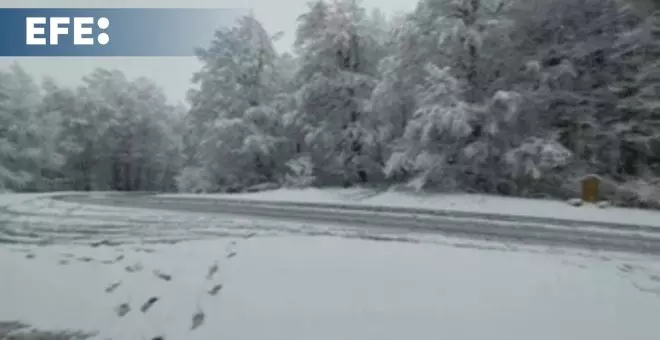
132, 31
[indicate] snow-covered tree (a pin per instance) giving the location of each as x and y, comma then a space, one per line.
511, 97
25, 132
117, 134
230, 116
339, 50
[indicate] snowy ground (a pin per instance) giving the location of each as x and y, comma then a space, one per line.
287, 281
330, 288
40, 221
472, 203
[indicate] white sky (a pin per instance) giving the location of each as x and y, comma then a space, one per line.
173, 74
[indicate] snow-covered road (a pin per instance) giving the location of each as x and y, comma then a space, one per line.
125, 273
597, 235
42, 221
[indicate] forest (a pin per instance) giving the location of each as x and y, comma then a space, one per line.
519, 98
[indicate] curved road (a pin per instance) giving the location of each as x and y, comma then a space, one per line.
598, 236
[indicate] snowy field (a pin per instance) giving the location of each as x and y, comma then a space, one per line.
138, 274
329, 288
473, 203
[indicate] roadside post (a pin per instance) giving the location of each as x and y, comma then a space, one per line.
590, 185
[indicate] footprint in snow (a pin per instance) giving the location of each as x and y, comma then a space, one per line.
134, 268
116, 260
214, 291
655, 291
212, 270
30, 256
162, 275
232, 254
197, 320
123, 309
627, 268
111, 288
148, 304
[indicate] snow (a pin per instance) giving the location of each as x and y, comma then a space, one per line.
10, 199
46, 221
14, 198
473, 203
331, 288
280, 282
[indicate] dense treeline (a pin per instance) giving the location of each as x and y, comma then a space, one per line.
512, 97
111, 133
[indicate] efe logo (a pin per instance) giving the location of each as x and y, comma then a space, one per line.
83, 30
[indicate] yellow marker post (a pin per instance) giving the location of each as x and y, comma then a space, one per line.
590, 186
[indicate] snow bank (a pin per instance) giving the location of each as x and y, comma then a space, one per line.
453, 202
328, 288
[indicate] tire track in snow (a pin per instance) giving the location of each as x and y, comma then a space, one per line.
46, 221
42, 221
373, 224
